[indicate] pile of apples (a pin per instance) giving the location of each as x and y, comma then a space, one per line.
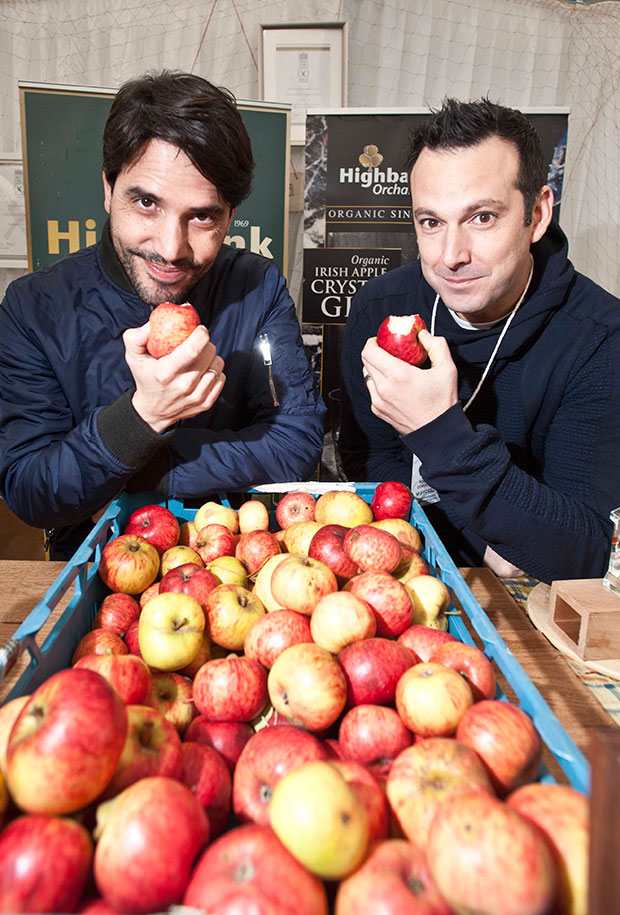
279, 723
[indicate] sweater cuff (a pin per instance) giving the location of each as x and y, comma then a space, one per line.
441, 435
125, 434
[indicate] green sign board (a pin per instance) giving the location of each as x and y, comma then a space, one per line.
62, 132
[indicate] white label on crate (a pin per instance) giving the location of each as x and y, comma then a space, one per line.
424, 493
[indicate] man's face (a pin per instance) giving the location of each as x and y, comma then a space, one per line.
470, 227
167, 221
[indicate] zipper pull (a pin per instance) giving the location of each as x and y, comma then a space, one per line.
265, 348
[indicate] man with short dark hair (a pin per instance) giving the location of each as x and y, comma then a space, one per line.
510, 434
85, 411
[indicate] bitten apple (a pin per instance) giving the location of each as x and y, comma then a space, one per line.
398, 335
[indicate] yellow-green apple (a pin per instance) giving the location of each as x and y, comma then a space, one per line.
424, 640
179, 556
342, 507
146, 595
65, 743
262, 583
155, 523
255, 548
411, 565
293, 507
388, 598
470, 663
272, 633
372, 668
307, 685
188, 534
148, 839
170, 630
563, 815
506, 740
369, 793
487, 858
128, 563
430, 596
398, 335
207, 776
248, 870
215, 513
99, 641
393, 880
229, 571
117, 612
298, 537
327, 545
298, 583
190, 579
152, 747
374, 736
428, 774
44, 864
204, 653
227, 737
317, 815
127, 673
391, 499
431, 699
169, 325
341, 618
231, 689
253, 516
214, 540
8, 715
231, 612
171, 695
404, 531
268, 756
371, 548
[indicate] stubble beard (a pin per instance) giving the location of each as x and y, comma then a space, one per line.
150, 290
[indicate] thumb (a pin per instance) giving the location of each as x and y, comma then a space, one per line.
436, 347
135, 339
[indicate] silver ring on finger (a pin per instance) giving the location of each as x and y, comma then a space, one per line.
367, 377
213, 372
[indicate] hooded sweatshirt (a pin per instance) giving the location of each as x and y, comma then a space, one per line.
532, 469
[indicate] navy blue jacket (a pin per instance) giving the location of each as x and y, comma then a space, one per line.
533, 467
70, 439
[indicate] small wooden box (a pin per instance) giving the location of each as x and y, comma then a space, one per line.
588, 614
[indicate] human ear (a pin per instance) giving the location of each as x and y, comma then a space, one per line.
541, 214
107, 192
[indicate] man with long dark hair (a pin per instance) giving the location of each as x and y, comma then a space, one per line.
85, 411
510, 434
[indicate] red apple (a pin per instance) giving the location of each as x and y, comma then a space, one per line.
485, 857
372, 668
424, 640
95, 905
374, 736
341, 618
307, 684
428, 774
169, 325
231, 612
248, 871
189, 579
154, 523
298, 583
327, 545
148, 839
266, 757
171, 695
394, 880
392, 500
44, 864
271, 634
369, 793
213, 541
128, 563
65, 743
231, 689
388, 598
295, 506
207, 776
148, 594
431, 699
8, 715
505, 739
132, 639
227, 737
398, 335
204, 654
188, 534
127, 673
152, 747
471, 663
255, 548
411, 565
99, 641
117, 612
371, 548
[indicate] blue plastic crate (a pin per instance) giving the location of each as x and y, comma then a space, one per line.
77, 619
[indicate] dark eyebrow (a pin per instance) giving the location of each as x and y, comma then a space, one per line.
213, 210
485, 204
